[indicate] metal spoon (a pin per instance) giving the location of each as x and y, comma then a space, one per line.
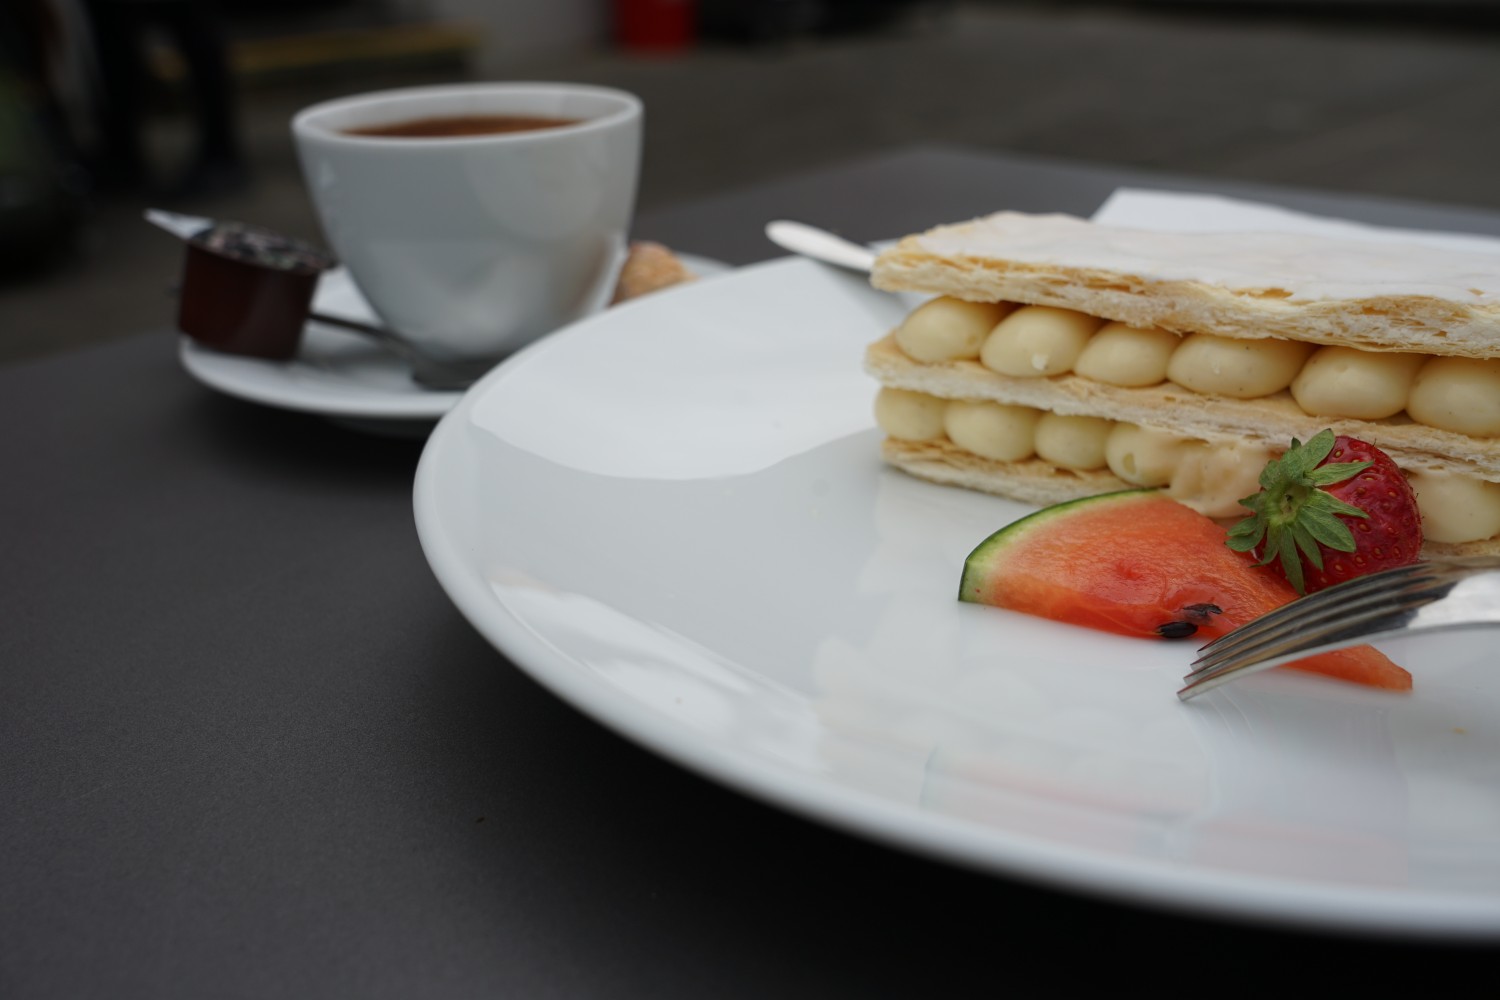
820, 244
253, 297
185, 227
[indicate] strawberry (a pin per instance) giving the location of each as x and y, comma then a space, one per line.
1328, 511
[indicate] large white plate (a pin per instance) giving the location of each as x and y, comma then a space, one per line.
673, 515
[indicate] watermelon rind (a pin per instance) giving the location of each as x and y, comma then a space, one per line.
980, 563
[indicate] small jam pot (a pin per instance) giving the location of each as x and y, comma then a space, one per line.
247, 290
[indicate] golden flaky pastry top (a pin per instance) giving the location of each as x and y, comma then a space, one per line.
1377, 296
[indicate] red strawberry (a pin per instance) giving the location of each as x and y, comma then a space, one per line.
1328, 511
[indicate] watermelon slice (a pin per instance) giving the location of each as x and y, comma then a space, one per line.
1139, 563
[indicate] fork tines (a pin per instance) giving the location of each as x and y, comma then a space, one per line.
1373, 594
1376, 604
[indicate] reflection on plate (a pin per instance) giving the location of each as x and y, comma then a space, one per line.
339, 374
675, 517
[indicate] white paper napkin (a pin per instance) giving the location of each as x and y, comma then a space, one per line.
1172, 211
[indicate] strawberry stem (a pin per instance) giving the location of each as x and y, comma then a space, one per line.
1292, 515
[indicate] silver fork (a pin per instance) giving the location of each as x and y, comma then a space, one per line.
1439, 594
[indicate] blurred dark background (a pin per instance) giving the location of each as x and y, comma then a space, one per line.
107, 106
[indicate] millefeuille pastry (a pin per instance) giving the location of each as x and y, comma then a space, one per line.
1062, 358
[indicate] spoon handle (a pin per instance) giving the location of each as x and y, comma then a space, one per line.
423, 371
819, 244
368, 329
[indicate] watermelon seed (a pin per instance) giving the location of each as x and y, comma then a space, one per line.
1176, 630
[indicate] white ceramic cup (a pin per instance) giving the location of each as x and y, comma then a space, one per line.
471, 247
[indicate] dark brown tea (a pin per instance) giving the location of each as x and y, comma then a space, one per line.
461, 125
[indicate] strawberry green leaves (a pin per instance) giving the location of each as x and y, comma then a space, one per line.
1293, 515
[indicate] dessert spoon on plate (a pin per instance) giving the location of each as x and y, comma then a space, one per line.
820, 244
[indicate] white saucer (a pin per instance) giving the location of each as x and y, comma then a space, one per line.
341, 375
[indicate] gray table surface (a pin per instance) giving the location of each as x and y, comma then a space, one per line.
248, 748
